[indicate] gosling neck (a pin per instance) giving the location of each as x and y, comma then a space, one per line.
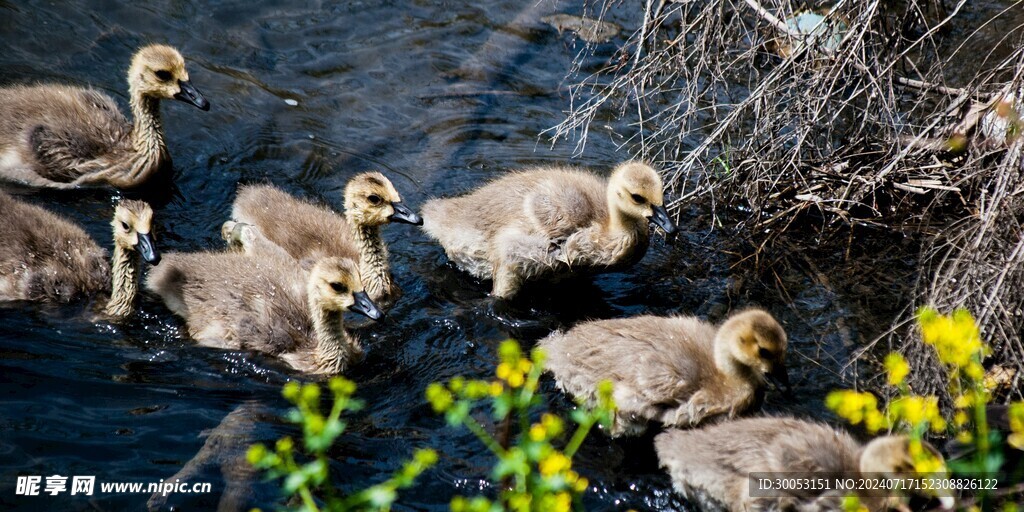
334, 347
147, 132
124, 274
733, 369
619, 223
373, 259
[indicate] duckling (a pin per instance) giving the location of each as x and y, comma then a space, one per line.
59, 136
716, 461
549, 220
308, 231
43, 257
680, 370
268, 304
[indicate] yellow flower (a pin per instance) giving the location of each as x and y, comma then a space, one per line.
554, 463
524, 366
897, 367
503, 371
496, 389
552, 424
1016, 414
956, 337
856, 407
925, 462
516, 379
538, 432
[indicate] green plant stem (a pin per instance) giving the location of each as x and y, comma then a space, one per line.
307, 499
578, 437
476, 428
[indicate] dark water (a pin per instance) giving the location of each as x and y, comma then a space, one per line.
440, 96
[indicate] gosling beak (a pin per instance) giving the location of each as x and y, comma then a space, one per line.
189, 94
147, 249
780, 378
661, 218
366, 307
404, 214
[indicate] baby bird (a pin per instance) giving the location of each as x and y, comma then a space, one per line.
43, 257
60, 136
269, 304
309, 232
547, 221
681, 370
716, 462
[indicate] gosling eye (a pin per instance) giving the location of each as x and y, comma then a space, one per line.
765, 353
164, 75
374, 199
638, 199
338, 287
125, 225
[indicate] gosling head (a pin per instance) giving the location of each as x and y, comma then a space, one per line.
133, 229
371, 200
635, 190
892, 457
335, 285
158, 71
755, 340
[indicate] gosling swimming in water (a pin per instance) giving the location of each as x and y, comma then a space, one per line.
308, 231
549, 220
44, 257
716, 461
61, 136
680, 371
268, 304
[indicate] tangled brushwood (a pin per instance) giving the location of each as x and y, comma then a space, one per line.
901, 115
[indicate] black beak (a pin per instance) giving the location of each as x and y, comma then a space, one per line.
147, 249
780, 378
404, 214
661, 218
189, 94
366, 307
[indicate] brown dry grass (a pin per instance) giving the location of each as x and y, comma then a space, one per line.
909, 123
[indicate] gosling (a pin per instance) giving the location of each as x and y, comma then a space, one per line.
716, 462
309, 232
46, 258
234, 301
546, 221
59, 136
680, 371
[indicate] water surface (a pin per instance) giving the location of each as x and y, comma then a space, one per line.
440, 96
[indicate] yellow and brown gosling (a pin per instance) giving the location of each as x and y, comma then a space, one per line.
44, 257
680, 371
714, 463
308, 231
60, 136
268, 304
551, 220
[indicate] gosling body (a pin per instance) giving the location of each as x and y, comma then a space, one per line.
46, 258
60, 136
548, 221
680, 371
234, 301
713, 463
308, 231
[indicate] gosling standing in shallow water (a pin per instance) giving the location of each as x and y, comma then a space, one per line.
680, 370
43, 257
309, 232
234, 301
61, 136
716, 461
547, 221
